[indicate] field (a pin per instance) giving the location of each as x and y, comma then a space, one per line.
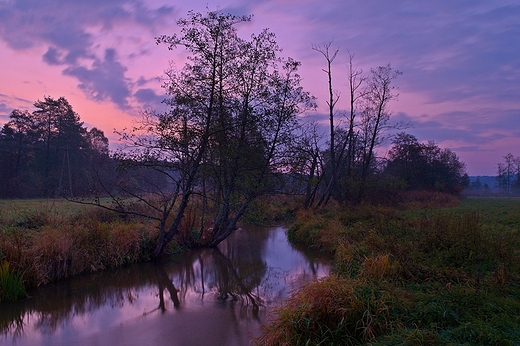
408, 276
18, 211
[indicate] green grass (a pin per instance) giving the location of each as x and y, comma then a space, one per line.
414, 276
13, 208
11, 284
494, 211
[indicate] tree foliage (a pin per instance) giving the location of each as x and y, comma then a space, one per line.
225, 138
425, 166
48, 152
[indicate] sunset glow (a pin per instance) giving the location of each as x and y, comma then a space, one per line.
460, 60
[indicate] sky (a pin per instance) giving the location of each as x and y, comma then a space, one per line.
460, 60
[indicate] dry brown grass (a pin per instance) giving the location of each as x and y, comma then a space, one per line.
428, 199
332, 311
379, 267
62, 246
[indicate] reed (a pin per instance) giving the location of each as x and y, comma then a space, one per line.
11, 284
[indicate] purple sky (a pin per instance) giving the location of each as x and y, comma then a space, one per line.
460, 59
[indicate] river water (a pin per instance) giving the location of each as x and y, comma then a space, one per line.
217, 296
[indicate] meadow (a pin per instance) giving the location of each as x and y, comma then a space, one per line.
445, 273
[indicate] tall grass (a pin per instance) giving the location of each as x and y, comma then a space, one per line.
11, 284
47, 245
446, 275
51, 239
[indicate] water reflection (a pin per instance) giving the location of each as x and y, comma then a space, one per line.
215, 296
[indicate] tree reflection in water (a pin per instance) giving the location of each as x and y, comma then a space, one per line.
235, 277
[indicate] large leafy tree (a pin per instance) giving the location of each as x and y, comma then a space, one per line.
63, 145
425, 166
223, 141
48, 152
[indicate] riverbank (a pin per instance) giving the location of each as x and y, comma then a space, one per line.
46, 240
445, 274
206, 296
41, 244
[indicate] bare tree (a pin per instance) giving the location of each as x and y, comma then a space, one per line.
330, 56
355, 84
346, 138
378, 93
306, 162
507, 172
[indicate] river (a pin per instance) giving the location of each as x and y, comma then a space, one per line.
219, 296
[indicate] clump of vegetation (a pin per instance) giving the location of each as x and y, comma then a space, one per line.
408, 277
47, 246
11, 284
333, 311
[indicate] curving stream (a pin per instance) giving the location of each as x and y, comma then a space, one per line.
218, 296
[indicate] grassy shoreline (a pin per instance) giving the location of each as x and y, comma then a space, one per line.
434, 271
46, 240
446, 275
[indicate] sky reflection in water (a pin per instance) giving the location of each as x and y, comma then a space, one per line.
201, 297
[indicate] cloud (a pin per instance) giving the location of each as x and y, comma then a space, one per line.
70, 31
4, 113
149, 98
479, 138
482, 129
450, 51
105, 80
53, 56
65, 24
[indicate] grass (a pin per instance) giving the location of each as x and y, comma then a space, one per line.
57, 207
47, 240
11, 284
448, 275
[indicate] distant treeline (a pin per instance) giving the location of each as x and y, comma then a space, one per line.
48, 152
505, 183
